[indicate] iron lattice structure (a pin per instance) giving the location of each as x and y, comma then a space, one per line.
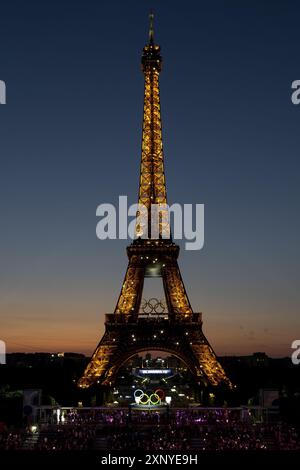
179, 331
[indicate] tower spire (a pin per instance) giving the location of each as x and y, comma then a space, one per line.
152, 187
151, 29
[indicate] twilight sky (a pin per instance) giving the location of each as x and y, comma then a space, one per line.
70, 137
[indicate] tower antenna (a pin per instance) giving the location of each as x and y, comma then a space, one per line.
151, 30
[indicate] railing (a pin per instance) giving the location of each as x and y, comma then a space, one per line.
195, 317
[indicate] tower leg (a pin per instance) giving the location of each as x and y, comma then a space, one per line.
176, 296
131, 293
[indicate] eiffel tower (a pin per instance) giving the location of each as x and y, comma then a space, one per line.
128, 331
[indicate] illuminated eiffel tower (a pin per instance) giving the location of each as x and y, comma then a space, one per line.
129, 331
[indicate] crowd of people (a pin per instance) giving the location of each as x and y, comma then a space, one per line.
156, 438
205, 438
11, 440
66, 438
176, 417
178, 430
105, 417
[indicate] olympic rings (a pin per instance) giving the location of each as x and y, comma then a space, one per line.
140, 394
156, 398
153, 306
145, 399
149, 398
160, 393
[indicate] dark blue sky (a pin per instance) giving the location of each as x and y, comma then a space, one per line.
70, 140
